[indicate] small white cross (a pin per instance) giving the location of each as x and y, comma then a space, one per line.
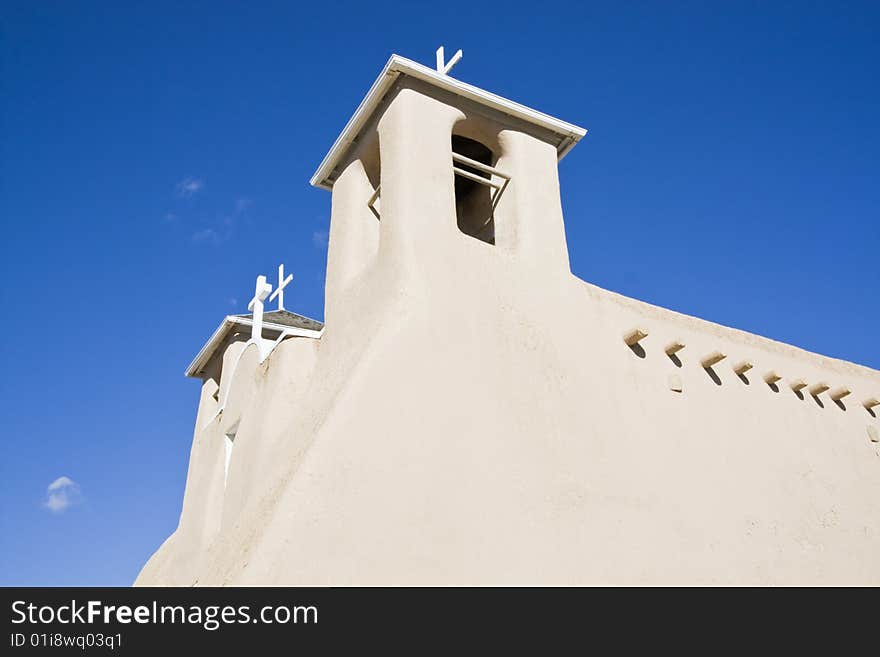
442, 66
282, 283
262, 291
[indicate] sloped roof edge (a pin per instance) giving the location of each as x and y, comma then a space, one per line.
198, 363
569, 134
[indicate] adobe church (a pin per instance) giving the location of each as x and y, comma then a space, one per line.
472, 413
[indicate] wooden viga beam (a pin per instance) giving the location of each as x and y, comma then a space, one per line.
798, 384
771, 378
633, 337
839, 393
712, 359
818, 388
673, 348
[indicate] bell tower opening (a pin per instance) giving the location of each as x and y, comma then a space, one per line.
474, 206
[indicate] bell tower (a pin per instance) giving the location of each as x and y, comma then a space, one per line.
431, 173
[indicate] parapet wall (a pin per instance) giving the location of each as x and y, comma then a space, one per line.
493, 427
728, 356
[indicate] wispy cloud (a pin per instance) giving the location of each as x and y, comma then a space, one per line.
320, 238
61, 494
189, 186
224, 226
207, 235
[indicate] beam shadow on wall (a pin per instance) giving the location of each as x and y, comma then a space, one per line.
713, 375
672, 351
741, 368
709, 361
797, 387
816, 390
837, 396
632, 339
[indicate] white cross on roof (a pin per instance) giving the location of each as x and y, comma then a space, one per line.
444, 67
282, 283
261, 291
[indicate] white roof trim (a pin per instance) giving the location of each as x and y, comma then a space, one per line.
570, 134
214, 341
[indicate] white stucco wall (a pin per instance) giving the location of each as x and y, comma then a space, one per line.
471, 415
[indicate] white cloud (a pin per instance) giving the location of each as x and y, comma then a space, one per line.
224, 225
189, 186
61, 494
206, 235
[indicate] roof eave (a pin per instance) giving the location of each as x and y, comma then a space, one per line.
569, 133
196, 367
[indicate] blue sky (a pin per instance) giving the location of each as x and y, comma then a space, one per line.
156, 157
